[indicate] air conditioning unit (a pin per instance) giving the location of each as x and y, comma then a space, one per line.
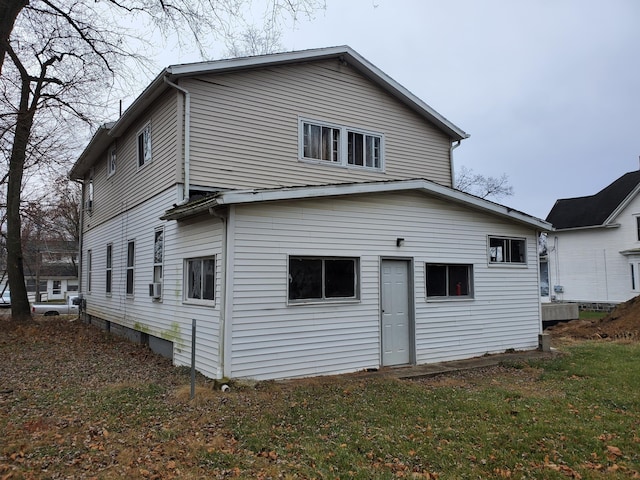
88, 205
155, 290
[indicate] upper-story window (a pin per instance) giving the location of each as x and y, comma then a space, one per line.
111, 161
340, 145
144, 145
638, 227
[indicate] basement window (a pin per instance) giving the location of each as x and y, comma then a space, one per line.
323, 279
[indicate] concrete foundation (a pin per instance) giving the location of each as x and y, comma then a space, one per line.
559, 312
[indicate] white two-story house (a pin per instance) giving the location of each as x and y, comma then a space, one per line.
299, 207
594, 253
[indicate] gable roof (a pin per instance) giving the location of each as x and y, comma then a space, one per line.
595, 210
236, 197
108, 132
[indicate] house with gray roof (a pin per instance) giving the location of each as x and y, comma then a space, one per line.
594, 252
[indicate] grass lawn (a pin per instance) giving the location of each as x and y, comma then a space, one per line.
82, 404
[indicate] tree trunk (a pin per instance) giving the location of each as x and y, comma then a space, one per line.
20, 309
9, 10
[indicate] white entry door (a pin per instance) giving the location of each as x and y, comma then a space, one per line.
396, 331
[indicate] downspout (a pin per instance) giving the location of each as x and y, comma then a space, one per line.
223, 216
453, 173
187, 137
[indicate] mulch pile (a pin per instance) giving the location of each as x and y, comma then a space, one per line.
623, 323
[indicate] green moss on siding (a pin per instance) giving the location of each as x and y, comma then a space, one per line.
173, 334
140, 327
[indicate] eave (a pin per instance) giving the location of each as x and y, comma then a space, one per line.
240, 197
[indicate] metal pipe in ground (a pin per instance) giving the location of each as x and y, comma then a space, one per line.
193, 358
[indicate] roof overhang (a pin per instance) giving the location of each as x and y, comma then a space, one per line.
242, 197
174, 72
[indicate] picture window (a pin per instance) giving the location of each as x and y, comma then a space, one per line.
312, 278
450, 281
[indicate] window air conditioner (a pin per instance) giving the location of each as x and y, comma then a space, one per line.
155, 290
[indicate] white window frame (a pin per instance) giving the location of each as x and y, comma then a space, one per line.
449, 295
324, 298
108, 288
144, 147
130, 269
111, 161
193, 300
340, 153
158, 254
89, 260
506, 254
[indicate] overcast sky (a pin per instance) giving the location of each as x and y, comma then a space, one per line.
549, 90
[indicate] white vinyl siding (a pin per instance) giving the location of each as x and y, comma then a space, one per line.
268, 103
170, 319
272, 339
116, 193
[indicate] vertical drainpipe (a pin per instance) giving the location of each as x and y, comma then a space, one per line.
453, 173
187, 137
222, 304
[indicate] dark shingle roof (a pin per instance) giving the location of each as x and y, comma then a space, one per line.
595, 209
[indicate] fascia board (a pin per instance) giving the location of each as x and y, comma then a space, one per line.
99, 142
622, 205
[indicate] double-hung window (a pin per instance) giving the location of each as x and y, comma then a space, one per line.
323, 278
109, 270
200, 279
111, 161
158, 249
131, 263
449, 280
144, 145
89, 260
340, 145
505, 250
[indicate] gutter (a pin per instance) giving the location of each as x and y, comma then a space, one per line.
187, 137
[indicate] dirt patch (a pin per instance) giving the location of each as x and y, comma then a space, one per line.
623, 323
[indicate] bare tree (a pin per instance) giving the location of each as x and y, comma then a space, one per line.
63, 59
484, 187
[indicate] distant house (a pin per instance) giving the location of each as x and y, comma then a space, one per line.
594, 253
299, 207
50, 269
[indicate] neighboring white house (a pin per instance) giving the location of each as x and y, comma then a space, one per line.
299, 208
594, 253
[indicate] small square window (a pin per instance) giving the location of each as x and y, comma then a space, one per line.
200, 279
507, 250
